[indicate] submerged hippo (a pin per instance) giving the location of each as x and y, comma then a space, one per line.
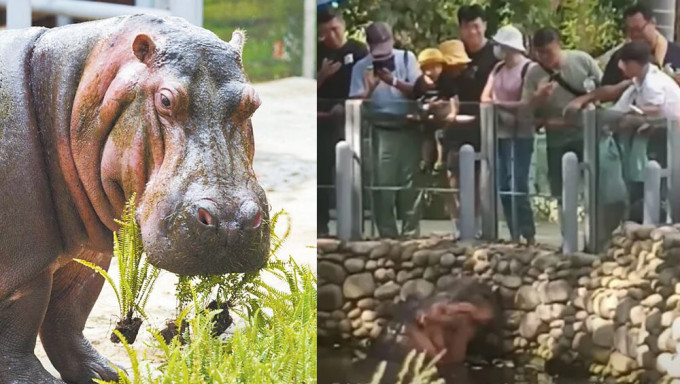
90, 114
452, 321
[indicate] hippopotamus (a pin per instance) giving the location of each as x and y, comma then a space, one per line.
450, 321
91, 114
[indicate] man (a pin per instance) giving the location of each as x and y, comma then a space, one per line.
561, 76
641, 26
385, 78
652, 98
470, 85
336, 56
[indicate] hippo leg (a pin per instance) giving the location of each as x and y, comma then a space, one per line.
74, 292
20, 318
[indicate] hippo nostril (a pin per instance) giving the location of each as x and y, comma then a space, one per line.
257, 220
204, 217
250, 216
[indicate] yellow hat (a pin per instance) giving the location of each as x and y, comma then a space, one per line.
454, 52
431, 56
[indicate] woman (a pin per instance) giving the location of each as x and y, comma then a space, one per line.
515, 133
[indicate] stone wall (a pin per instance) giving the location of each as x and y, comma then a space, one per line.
618, 313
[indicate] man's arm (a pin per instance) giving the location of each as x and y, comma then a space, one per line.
362, 83
603, 94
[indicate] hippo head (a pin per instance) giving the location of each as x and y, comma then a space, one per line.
173, 106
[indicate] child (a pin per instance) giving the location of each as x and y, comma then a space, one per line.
427, 92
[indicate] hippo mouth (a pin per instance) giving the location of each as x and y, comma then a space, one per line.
193, 241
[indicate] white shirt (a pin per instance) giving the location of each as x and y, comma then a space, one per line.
656, 90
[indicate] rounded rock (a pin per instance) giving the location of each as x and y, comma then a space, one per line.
358, 286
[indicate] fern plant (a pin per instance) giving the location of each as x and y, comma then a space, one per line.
137, 276
277, 344
413, 370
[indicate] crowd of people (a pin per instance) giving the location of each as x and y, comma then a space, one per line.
538, 87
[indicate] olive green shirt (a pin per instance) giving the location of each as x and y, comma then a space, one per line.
577, 67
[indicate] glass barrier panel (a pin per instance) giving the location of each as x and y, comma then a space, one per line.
627, 142
410, 166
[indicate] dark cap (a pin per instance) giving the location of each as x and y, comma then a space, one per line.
379, 38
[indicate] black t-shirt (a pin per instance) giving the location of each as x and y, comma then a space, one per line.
336, 87
473, 80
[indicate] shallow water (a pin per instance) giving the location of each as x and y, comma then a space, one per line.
342, 367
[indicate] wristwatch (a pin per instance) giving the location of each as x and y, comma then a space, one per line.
394, 81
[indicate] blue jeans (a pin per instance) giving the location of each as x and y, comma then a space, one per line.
512, 164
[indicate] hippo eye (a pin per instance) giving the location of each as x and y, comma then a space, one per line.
165, 101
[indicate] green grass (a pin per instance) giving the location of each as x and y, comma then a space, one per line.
265, 22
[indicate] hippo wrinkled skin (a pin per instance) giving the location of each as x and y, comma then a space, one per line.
449, 322
90, 114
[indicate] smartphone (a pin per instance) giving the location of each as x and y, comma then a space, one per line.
387, 64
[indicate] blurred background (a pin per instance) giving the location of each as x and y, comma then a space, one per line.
277, 29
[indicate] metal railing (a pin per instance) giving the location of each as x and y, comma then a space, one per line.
577, 177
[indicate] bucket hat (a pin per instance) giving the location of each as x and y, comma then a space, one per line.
454, 52
510, 37
431, 56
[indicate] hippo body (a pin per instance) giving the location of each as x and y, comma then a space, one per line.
90, 114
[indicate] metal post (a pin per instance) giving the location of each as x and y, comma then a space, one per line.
191, 10
308, 54
18, 14
590, 167
652, 202
487, 183
570, 182
343, 189
673, 169
466, 188
353, 138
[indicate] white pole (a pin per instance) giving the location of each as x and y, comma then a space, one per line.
309, 39
652, 197
18, 14
570, 178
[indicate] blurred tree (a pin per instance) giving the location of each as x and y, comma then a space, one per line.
590, 25
274, 31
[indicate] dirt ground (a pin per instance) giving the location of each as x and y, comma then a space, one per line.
285, 162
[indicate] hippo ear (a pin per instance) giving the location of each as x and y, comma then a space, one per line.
238, 38
143, 47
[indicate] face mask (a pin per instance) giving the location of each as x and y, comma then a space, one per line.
499, 52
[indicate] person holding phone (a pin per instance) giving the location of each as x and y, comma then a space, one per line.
385, 79
561, 76
336, 56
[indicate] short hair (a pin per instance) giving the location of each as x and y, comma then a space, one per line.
637, 51
546, 36
327, 14
638, 8
467, 13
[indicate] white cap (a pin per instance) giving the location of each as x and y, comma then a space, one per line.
510, 37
